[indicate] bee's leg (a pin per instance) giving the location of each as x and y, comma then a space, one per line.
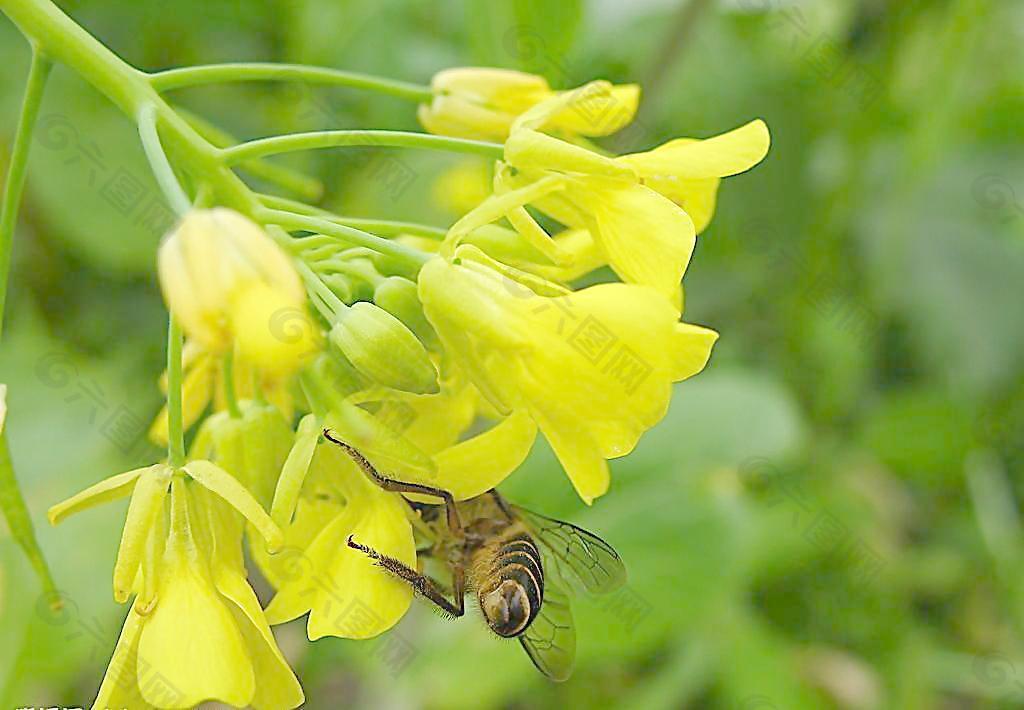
420, 583
390, 484
501, 504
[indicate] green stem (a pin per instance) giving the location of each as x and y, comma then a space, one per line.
39, 71
64, 41
366, 138
159, 163
220, 73
381, 227
351, 235
296, 182
175, 429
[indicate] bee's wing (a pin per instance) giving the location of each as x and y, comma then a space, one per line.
550, 641
580, 556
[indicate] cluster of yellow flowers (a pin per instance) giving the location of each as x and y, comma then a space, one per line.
441, 373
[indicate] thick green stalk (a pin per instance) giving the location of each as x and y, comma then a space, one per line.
365, 138
64, 41
221, 73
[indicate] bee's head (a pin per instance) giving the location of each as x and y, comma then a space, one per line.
506, 608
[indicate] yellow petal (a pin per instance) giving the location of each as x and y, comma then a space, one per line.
696, 197
192, 641
276, 684
219, 481
576, 451
459, 117
147, 501
120, 686
367, 600
646, 238
106, 490
482, 462
541, 113
691, 349
721, 156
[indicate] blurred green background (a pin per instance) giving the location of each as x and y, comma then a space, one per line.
828, 515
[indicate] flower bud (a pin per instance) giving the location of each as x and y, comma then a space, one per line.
398, 297
384, 350
224, 279
473, 102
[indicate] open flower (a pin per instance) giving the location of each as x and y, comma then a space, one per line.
592, 368
476, 102
637, 208
343, 591
322, 497
195, 631
230, 285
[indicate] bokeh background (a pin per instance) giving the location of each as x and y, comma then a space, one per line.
828, 516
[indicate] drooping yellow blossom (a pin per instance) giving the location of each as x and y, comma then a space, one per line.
230, 285
634, 207
593, 368
343, 591
322, 497
195, 631
483, 103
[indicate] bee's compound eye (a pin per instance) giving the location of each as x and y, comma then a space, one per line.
506, 608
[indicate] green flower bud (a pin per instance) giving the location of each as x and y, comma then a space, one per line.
398, 297
381, 348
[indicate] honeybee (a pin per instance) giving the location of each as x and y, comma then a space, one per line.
520, 565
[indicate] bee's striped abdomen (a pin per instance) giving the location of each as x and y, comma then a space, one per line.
514, 590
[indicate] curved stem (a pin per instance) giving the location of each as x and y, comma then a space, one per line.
296, 182
37, 75
366, 138
351, 235
175, 429
161, 167
259, 71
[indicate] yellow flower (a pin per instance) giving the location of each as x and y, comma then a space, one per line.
345, 594
322, 498
632, 206
592, 368
688, 170
229, 284
195, 631
483, 103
